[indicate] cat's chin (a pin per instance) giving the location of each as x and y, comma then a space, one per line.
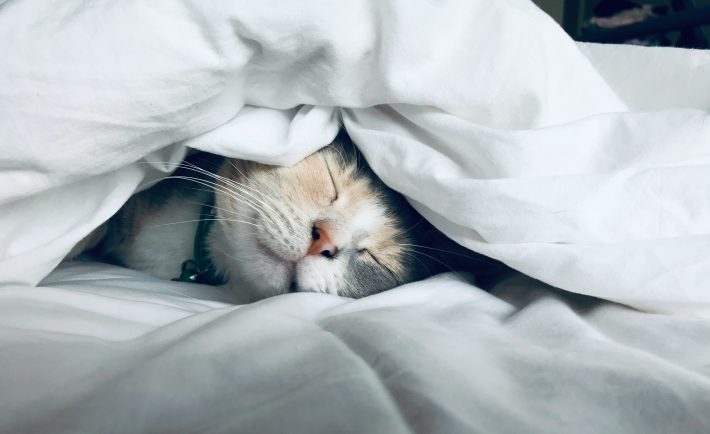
253, 273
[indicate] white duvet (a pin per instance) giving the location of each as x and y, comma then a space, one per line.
583, 166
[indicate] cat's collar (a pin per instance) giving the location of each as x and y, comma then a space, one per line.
201, 269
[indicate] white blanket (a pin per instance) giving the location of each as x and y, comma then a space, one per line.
583, 166
101, 349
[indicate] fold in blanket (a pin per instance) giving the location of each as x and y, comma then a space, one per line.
105, 349
508, 136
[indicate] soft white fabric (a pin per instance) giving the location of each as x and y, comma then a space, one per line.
104, 349
584, 166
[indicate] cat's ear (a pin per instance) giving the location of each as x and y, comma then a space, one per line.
448, 255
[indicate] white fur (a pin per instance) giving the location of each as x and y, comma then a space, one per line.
163, 242
253, 272
366, 218
319, 274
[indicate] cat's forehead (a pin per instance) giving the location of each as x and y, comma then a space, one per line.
323, 176
332, 183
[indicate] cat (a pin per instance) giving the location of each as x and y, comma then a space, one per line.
327, 224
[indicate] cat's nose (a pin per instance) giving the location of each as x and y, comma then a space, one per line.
322, 243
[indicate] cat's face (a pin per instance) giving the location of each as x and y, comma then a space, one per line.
326, 224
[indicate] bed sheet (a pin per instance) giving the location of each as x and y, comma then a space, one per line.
98, 348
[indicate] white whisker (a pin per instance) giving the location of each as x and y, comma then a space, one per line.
199, 220
435, 259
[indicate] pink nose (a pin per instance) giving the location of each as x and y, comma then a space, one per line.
322, 243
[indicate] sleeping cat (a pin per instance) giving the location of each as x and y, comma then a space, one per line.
326, 224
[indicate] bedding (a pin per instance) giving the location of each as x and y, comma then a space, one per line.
98, 348
583, 166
